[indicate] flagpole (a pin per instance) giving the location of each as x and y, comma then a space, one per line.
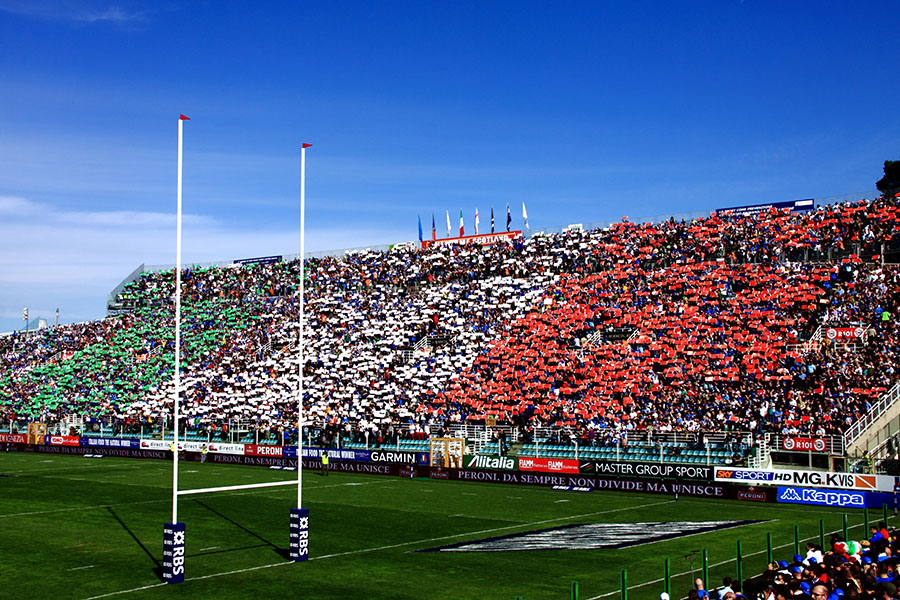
181, 120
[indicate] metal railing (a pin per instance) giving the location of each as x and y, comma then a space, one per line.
865, 421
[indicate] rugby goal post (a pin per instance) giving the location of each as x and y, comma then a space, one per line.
173, 562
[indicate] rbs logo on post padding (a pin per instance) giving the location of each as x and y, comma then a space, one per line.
173, 553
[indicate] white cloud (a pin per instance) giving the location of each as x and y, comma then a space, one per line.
11, 206
73, 259
75, 11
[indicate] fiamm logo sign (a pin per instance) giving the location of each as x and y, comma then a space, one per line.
794, 495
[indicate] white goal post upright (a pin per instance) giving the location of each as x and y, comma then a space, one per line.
299, 522
173, 533
303, 148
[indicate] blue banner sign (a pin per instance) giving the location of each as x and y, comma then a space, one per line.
842, 498
752, 209
99, 442
260, 260
173, 553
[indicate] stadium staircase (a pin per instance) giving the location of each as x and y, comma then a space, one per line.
874, 429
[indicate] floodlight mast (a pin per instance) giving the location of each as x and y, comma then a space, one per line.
303, 148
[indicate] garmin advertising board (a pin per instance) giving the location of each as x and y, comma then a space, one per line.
400, 458
648, 469
818, 479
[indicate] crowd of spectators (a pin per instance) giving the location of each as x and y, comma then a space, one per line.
845, 569
710, 324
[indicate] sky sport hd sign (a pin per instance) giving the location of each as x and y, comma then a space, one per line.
820, 479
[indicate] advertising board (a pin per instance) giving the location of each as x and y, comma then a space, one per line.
99, 442
485, 239
497, 463
13, 438
845, 334
649, 470
61, 440
548, 465
820, 497
804, 444
823, 479
752, 209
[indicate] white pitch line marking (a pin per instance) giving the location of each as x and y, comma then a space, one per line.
79, 568
558, 501
210, 548
400, 545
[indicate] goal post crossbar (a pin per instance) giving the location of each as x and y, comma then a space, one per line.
228, 488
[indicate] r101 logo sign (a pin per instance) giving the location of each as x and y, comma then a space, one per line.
845, 333
802, 444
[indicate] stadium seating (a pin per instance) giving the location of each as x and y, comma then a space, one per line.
675, 326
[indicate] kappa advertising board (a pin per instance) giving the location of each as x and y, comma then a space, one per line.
822, 479
648, 469
548, 465
804, 444
818, 497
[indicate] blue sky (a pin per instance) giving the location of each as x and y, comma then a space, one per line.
586, 111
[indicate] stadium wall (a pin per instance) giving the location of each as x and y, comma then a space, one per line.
844, 491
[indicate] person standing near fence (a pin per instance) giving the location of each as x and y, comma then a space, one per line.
325, 463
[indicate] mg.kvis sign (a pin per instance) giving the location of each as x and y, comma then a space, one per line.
816, 479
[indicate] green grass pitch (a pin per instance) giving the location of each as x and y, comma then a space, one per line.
81, 528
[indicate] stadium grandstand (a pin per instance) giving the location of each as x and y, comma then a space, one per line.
676, 341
